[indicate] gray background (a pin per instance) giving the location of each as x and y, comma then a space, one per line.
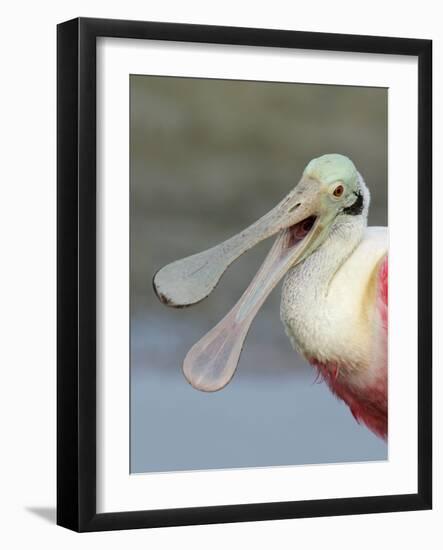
208, 157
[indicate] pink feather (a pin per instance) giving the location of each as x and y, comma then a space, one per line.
368, 405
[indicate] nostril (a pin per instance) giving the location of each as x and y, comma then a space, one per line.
294, 207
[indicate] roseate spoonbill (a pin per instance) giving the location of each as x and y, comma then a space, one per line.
334, 303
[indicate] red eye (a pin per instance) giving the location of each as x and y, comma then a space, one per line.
338, 191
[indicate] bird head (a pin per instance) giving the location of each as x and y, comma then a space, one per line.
343, 190
328, 193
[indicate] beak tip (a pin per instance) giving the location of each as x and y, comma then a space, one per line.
205, 387
172, 295
167, 299
163, 299
161, 295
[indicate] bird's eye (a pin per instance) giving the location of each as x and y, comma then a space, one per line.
338, 191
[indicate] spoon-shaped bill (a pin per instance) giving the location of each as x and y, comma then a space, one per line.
191, 279
211, 362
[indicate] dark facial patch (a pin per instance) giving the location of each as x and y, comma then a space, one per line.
356, 207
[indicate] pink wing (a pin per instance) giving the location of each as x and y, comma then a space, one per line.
376, 414
371, 405
382, 298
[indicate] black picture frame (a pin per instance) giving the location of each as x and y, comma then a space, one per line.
76, 266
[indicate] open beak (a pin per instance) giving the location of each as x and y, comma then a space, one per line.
301, 224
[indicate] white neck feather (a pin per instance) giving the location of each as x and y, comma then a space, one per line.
345, 235
321, 266
310, 316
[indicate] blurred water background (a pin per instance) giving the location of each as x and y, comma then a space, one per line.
208, 157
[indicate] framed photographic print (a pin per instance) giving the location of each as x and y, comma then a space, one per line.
244, 274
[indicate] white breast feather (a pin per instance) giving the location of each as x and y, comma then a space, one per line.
329, 318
